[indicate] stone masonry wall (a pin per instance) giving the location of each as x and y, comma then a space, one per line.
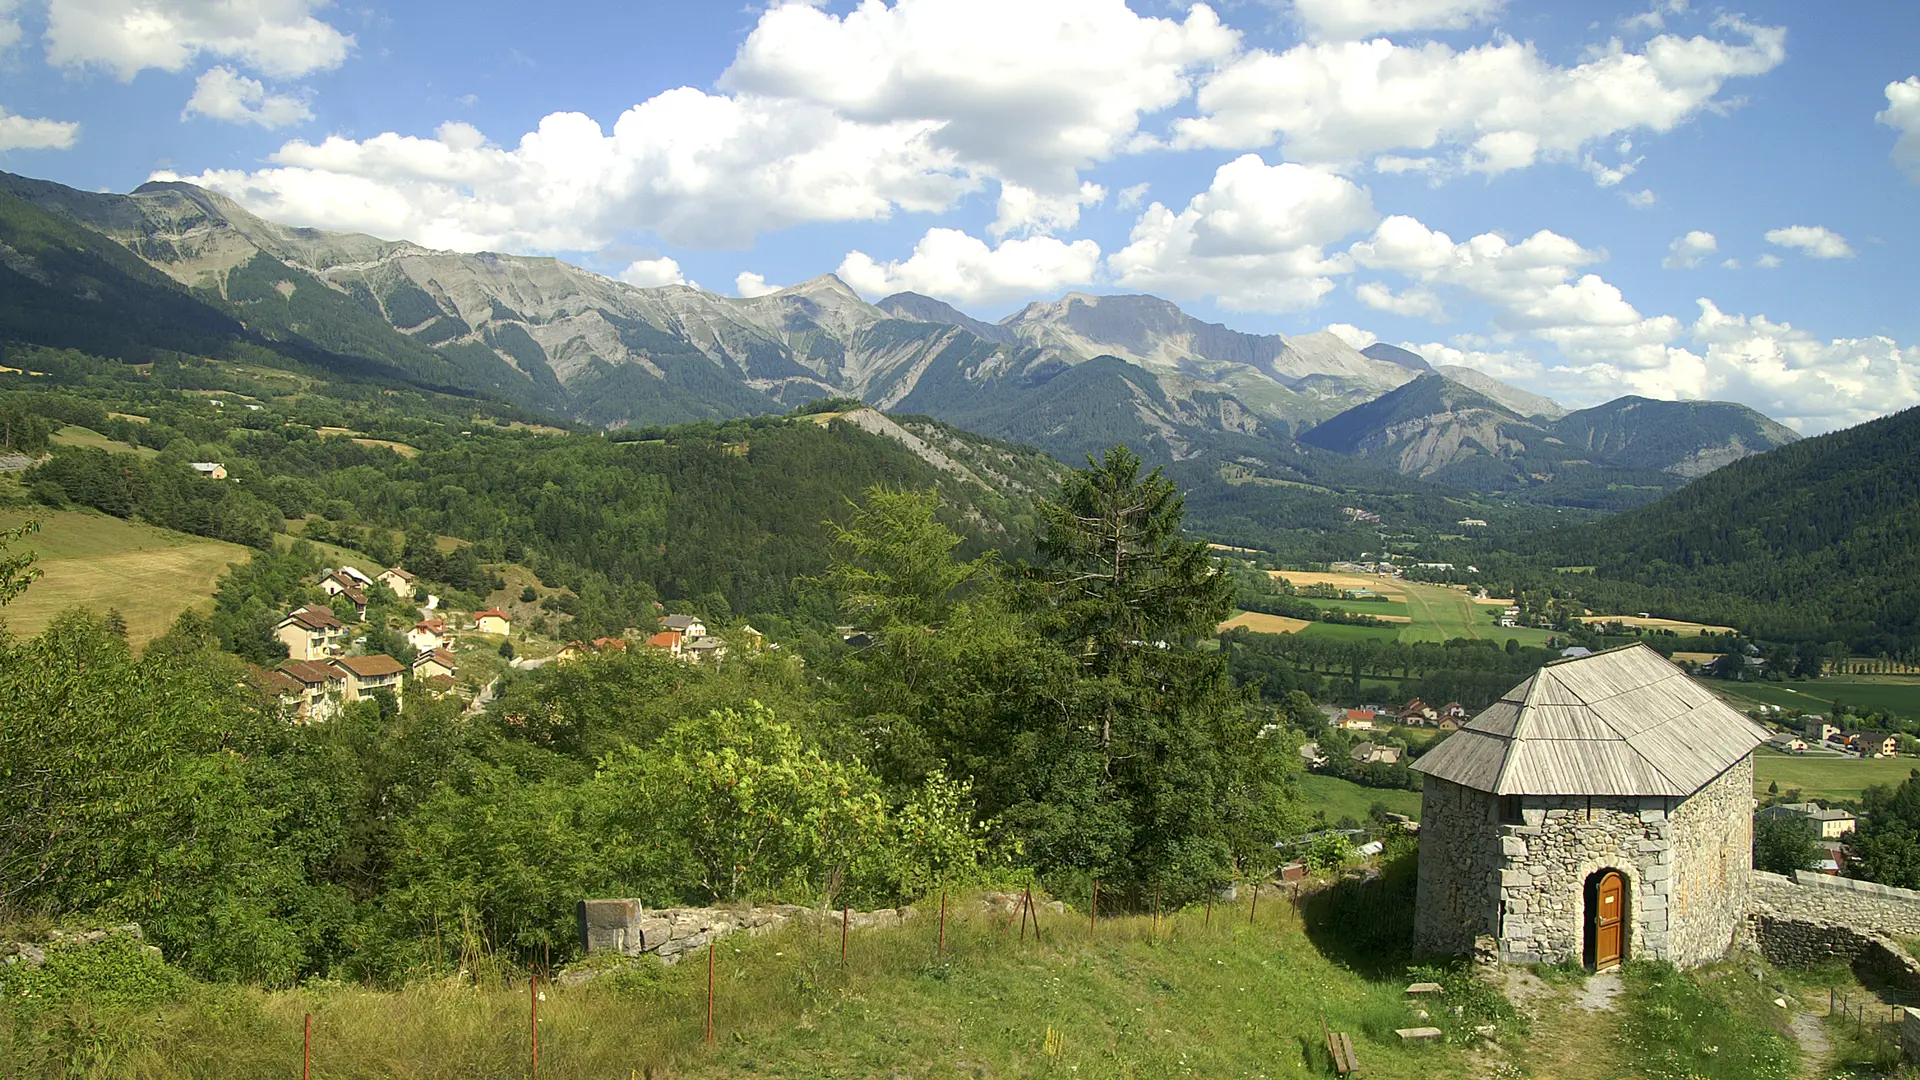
1547, 862
1879, 909
1459, 894
1712, 836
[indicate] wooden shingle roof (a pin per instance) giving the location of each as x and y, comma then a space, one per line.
1620, 722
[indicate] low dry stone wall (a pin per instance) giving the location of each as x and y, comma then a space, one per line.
629, 928
34, 953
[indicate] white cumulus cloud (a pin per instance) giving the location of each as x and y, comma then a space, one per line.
750, 285
1816, 241
280, 38
1030, 90
694, 167
1902, 114
952, 265
225, 94
1352, 335
1255, 239
1489, 109
653, 273
1690, 250
1417, 302
1346, 20
821, 117
28, 133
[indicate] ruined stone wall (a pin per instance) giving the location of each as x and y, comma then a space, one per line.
1712, 834
1459, 889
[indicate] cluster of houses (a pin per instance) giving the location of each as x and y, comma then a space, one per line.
683, 637
1415, 713
318, 677
1820, 733
1830, 829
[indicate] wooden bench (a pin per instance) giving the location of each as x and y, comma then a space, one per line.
1340, 1049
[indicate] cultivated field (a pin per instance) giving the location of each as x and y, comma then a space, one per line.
1896, 694
1676, 625
1827, 778
1421, 612
1264, 624
101, 562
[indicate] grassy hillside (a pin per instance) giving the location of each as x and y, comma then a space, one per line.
1827, 778
1214, 998
149, 574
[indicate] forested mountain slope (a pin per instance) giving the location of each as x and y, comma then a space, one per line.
1813, 541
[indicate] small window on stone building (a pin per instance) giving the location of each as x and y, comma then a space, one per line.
1510, 810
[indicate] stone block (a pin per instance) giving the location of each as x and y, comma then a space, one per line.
1521, 878
603, 923
1419, 1034
1513, 847
1657, 873
1423, 989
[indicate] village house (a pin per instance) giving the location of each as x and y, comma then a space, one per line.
1419, 714
436, 670
1374, 753
364, 581
667, 640
311, 633
1827, 824
1599, 811
689, 626
1310, 755
1356, 720
435, 662
399, 581
212, 470
428, 634
339, 584
1819, 731
365, 674
1787, 742
492, 621
1454, 711
321, 688
704, 649
1872, 743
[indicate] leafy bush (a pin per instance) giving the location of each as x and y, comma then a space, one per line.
118, 972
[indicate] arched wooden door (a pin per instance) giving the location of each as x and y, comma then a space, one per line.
1609, 920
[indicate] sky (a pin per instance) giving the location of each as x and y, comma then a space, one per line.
1656, 197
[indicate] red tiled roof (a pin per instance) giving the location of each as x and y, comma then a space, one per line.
478, 615
665, 639
438, 656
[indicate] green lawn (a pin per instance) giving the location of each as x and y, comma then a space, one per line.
88, 559
1896, 694
1344, 798
1827, 778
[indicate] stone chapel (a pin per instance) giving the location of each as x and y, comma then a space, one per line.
1601, 810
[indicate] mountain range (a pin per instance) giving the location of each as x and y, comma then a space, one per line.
1441, 428
1071, 376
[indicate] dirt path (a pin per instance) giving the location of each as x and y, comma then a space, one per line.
1816, 1050
1575, 1029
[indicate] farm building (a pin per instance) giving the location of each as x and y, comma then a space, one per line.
1599, 811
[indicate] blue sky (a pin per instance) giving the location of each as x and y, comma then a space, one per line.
1653, 197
